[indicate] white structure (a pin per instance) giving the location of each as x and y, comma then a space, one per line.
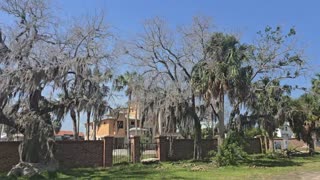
137, 131
285, 131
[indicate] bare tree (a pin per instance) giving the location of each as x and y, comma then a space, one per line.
165, 59
38, 59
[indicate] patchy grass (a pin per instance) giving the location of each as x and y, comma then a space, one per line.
257, 167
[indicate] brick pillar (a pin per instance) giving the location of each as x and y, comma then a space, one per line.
135, 149
162, 150
107, 151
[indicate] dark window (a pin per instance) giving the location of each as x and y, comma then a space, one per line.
120, 124
132, 123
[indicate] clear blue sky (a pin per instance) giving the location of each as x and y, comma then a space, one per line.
245, 17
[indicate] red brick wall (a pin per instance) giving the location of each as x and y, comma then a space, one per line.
183, 148
70, 154
9, 155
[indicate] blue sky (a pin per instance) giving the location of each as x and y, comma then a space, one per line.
245, 17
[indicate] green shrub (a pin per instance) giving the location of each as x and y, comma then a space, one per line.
252, 132
231, 151
212, 153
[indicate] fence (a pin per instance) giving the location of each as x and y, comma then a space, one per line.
148, 150
105, 153
70, 154
121, 152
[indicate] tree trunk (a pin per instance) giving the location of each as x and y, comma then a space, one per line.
1, 130
312, 143
74, 122
159, 123
221, 117
88, 125
271, 147
136, 120
128, 118
266, 144
36, 150
197, 131
214, 124
78, 125
94, 130
197, 140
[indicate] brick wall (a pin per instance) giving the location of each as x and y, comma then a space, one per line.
70, 154
9, 155
183, 148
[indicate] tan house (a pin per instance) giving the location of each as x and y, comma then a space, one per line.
115, 125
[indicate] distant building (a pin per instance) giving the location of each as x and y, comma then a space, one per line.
285, 131
67, 136
116, 124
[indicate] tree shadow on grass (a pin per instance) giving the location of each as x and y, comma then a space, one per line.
138, 171
274, 163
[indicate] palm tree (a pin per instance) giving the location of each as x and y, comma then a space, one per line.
128, 81
223, 73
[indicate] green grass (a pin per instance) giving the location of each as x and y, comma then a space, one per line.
258, 167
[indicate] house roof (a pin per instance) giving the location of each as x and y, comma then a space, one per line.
61, 133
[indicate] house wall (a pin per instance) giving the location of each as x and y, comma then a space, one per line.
293, 143
133, 112
105, 128
108, 127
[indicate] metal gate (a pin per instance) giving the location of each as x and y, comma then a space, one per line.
121, 152
148, 150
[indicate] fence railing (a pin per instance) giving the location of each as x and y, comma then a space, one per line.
148, 150
121, 153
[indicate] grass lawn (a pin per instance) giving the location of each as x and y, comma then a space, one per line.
257, 168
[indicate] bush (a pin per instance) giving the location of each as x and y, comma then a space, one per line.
212, 153
231, 151
252, 132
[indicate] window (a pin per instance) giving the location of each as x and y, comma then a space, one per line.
132, 123
120, 124
286, 128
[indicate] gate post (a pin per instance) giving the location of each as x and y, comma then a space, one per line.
135, 149
107, 151
162, 148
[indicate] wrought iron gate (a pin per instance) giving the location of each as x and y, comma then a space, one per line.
148, 150
121, 152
